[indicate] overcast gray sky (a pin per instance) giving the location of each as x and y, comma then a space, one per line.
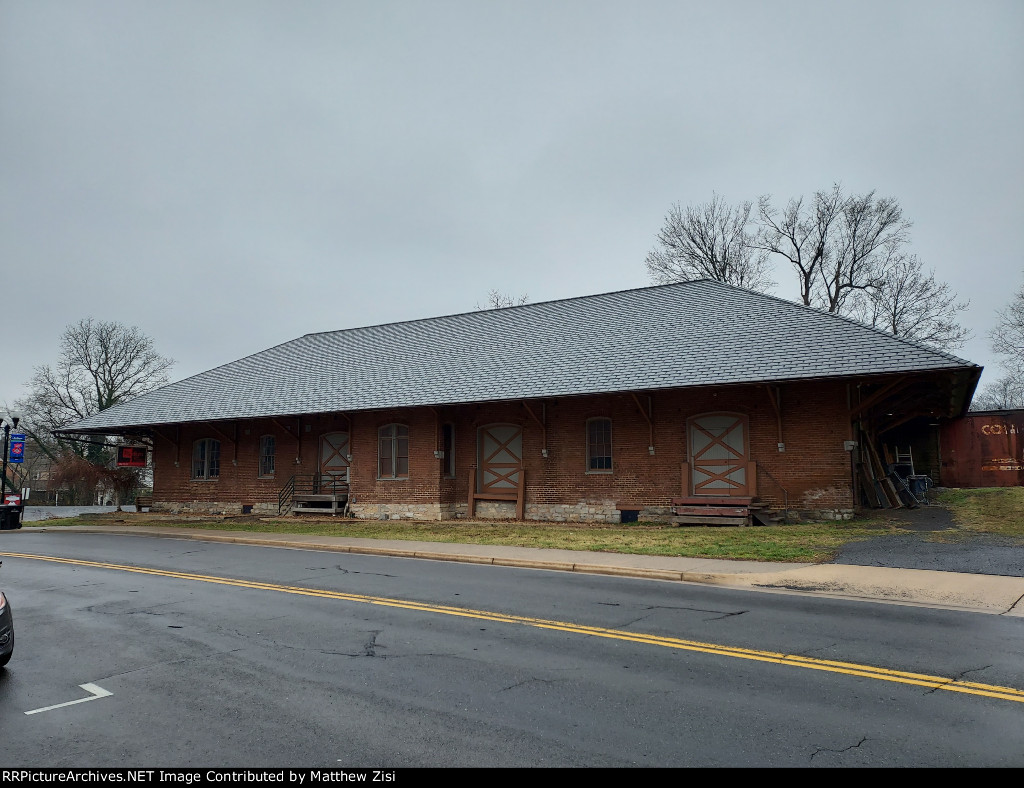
228, 175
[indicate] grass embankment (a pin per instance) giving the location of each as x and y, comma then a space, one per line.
995, 511
991, 510
802, 542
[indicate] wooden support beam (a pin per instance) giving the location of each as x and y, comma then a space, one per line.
891, 388
279, 424
437, 429
543, 427
173, 441
649, 415
521, 500
776, 400
220, 432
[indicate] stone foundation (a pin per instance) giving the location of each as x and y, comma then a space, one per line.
198, 507
582, 512
400, 511
818, 515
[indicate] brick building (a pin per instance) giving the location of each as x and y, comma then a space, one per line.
600, 408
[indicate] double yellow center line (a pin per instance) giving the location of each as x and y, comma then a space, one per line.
793, 660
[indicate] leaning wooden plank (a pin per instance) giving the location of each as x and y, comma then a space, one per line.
892, 492
886, 484
867, 490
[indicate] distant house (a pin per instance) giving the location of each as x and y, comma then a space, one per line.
610, 407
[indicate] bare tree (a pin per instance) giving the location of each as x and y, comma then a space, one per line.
709, 241
101, 363
123, 482
499, 300
871, 234
909, 303
1008, 335
1008, 342
840, 245
79, 477
1006, 393
802, 233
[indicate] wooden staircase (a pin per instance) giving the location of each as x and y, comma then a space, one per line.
314, 494
708, 510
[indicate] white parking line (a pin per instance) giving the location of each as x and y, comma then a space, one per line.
96, 690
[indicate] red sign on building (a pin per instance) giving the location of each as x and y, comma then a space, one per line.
131, 456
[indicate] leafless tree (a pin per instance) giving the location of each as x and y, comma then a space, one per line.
1008, 341
871, 235
1006, 393
802, 233
122, 482
709, 241
1008, 335
101, 363
79, 477
840, 245
910, 303
499, 300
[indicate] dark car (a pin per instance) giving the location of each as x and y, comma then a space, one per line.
6, 630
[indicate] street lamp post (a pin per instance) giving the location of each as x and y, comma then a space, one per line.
11, 421
6, 514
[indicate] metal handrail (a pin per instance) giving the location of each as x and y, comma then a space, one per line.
320, 484
785, 493
287, 493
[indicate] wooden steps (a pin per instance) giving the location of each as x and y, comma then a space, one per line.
319, 504
710, 510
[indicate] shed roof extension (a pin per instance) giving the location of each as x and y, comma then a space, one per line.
699, 333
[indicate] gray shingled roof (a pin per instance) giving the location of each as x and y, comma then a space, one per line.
689, 334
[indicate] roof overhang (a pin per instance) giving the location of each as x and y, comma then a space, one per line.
888, 399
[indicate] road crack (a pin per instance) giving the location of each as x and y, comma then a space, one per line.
838, 752
528, 681
809, 651
958, 677
370, 647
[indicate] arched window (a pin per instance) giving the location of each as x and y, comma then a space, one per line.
268, 447
393, 452
206, 459
599, 445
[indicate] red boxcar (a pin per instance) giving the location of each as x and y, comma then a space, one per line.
984, 449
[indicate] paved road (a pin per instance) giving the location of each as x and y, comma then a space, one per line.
981, 554
315, 659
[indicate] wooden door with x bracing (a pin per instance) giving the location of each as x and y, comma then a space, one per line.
719, 454
500, 448
334, 451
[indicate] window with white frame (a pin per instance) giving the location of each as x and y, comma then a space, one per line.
267, 449
599, 445
206, 459
393, 452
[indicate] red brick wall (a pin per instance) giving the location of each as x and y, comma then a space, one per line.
814, 469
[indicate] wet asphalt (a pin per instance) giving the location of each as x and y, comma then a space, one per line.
981, 554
